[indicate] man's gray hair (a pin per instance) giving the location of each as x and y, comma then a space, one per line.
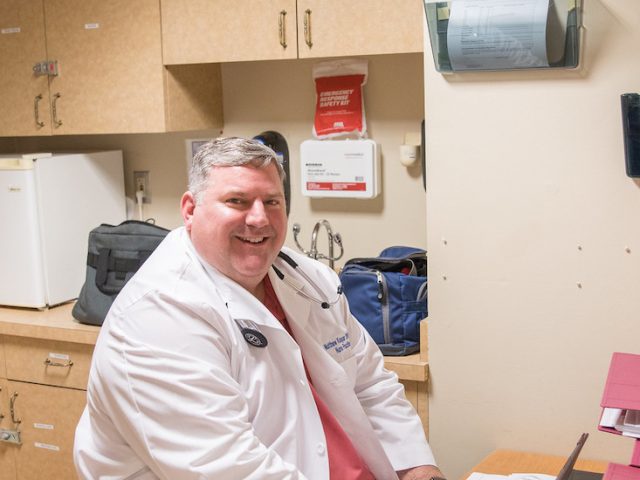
228, 152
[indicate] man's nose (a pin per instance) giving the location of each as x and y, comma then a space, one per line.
257, 215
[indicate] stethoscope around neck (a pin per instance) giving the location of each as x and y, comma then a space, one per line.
250, 330
326, 303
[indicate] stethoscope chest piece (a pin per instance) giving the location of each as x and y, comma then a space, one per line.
254, 337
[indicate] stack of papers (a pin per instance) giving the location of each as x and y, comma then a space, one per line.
626, 422
513, 476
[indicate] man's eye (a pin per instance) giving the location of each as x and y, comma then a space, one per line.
274, 202
234, 201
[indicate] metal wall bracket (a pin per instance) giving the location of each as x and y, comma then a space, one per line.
10, 436
46, 67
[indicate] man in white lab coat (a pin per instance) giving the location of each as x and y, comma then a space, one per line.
229, 357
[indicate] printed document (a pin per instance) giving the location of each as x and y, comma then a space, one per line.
497, 34
513, 476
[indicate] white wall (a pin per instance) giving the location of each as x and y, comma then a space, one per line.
530, 215
279, 95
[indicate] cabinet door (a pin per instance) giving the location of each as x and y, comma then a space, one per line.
204, 31
7, 450
22, 44
48, 418
328, 28
110, 60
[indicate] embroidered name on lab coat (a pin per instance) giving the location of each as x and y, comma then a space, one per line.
339, 344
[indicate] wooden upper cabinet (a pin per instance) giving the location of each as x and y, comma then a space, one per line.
111, 77
22, 44
109, 55
200, 31
203, 31
328, 28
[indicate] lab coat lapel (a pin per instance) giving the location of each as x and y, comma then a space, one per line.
335, 388
329, 377
244, 306
296, 308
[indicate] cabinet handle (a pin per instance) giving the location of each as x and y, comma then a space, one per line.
36, 111
307, 28
55, 110
282, 29
49, 363
1, 414
12, 410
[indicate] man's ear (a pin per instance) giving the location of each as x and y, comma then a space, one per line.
187, 206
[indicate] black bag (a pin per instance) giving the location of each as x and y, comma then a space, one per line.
388, 296
115, 253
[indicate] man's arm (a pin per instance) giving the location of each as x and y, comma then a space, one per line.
423, 472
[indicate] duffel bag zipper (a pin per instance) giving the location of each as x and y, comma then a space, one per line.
383, 297
384, 301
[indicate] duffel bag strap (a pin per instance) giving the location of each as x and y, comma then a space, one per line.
101, 263
104, 263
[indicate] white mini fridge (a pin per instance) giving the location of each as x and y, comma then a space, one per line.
49, 202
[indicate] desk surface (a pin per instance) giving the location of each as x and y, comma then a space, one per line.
504, 462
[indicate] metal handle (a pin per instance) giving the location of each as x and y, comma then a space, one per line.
36, 111
55, 111
282, 29
49, 363
313, 252
307, 28
296, 231
1, 414
12, 410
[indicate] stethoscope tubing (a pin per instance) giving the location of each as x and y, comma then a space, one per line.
294, 265
250, 330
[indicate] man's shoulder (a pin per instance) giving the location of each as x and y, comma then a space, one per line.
171, 274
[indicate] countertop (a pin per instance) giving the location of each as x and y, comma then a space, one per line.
56, 323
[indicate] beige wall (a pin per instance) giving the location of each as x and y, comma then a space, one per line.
279, 95
530, 215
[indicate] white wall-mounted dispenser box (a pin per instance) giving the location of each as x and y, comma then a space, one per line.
340, 168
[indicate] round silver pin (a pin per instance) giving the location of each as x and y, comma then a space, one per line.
254, 337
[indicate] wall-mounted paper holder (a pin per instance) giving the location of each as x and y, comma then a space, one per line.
476, 35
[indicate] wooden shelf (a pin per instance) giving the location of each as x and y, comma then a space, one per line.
412, 367
409, 367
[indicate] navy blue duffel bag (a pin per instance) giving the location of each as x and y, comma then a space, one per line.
388, 296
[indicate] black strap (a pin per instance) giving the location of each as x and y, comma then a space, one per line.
101, 264
115, 264
104, 262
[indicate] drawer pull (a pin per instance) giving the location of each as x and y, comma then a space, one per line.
12, 410
54, 107
307, 28
36, 110
49, 363
282, 29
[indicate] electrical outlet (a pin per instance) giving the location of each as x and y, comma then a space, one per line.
141, 182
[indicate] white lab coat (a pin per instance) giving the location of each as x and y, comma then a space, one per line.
175, 392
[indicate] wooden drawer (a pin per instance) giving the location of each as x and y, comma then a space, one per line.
48, 362
48, 418
8, 451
